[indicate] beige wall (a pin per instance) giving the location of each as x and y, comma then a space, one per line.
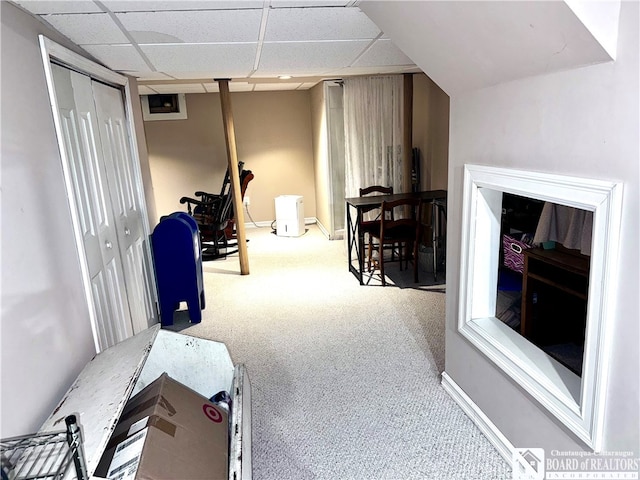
282, 138
431, 131
274, 139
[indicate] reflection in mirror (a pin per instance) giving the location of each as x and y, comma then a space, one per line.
543, 275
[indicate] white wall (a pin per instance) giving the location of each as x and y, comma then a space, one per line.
46, 335
584, 122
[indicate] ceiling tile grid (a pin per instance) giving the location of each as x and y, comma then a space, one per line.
182, 41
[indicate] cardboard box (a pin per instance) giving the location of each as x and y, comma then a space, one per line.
168, 431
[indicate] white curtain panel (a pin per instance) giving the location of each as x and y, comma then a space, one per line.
373, 132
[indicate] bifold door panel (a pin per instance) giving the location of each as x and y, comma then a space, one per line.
94, 132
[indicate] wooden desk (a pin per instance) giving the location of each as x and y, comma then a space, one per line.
355, 237
556, 271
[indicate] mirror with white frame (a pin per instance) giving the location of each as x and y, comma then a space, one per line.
574, 396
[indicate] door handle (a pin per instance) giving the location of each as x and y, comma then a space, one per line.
108, 245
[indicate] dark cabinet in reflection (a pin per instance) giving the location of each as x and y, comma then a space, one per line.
554, 303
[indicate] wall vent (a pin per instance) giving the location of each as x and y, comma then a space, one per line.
164, 107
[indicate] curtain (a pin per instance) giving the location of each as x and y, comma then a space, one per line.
373, 132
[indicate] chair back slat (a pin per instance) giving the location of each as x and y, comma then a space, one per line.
399, 224
400, 218
377, 190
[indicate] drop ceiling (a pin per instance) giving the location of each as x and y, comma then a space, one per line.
180, 46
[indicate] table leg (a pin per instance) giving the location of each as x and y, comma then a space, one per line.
355, 240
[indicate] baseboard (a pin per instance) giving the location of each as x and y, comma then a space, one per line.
477, 416
268, 223
324, 231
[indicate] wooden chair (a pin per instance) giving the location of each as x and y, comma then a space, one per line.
369, 226
399, 224
215, 217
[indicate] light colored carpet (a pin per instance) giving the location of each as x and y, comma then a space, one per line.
345, 378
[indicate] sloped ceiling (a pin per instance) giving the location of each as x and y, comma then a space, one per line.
176, 46
466, 46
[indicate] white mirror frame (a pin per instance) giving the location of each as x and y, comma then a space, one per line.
577, 402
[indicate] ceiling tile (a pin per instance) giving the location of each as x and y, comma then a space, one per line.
302, 24
263, 87
156, 6
53, 6
118, 57
202, 76
307, 85
197, 27
309, 3
383, 52
381, 70
152, 76
241, 87
233, 87
145, 90
88, 29
233, 60
308, 57
179, 88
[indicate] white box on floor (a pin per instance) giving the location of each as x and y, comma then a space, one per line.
289, 215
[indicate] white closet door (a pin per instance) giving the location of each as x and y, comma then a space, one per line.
125, 197
92, 202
